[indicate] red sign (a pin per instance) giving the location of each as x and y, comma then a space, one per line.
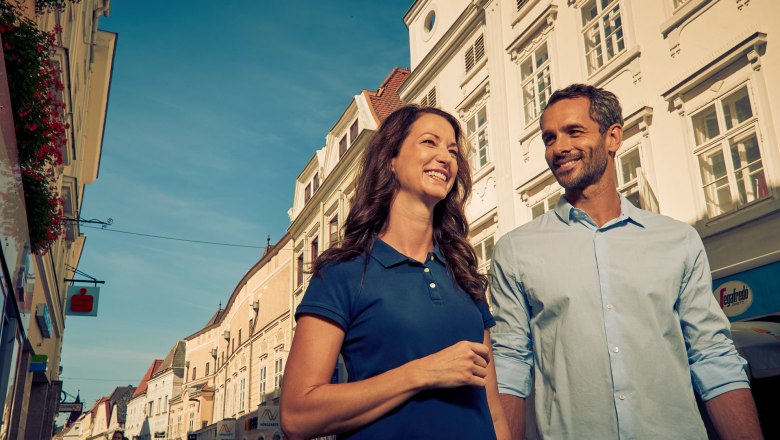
82, 301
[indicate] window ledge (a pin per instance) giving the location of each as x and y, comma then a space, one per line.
683, 15
608, 70
484, 171
474, 70
754, 210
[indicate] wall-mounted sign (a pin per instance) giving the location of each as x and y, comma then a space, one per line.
43, 318
734, 297
38, 363
226, 429
82, 301
268, 416
71, 407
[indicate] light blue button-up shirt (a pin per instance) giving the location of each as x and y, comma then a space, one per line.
617, 322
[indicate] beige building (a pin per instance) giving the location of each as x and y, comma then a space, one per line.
236, 361
83, 57
695, 81
136, 423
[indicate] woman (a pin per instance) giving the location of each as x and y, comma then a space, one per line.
401, 300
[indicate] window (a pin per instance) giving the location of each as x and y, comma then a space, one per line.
342, 146
545, 204
165, 404
627, 169
278, 373
484, 251
474, 53
602, 31
430, 21
159, 399
299, 269
207, 368
315, 182
242, 394
315, 249
353, 132
239, 337
307, 193
429, 100
729, 154
536, 84
263, 375
193, 373
521, 3
476, 129
333, 230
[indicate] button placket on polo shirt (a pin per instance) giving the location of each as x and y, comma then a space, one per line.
431, 284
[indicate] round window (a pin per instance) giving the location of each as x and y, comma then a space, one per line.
430, 21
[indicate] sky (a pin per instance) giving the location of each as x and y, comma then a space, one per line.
214, 109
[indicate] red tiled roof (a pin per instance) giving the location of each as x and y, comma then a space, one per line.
142, 385
385, 99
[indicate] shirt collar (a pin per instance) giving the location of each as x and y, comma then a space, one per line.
388, 256
569, 214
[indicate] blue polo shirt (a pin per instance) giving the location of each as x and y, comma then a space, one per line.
399, 310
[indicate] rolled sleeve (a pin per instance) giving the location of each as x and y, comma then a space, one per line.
716, 367
511, 336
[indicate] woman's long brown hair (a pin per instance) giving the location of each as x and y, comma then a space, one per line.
375, 188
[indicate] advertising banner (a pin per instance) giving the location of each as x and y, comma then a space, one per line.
749, 294
82, 301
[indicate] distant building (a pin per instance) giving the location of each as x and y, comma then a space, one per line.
138, 411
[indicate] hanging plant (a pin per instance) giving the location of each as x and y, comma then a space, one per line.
51, 5
38, 111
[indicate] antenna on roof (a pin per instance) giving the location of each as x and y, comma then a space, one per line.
220, 304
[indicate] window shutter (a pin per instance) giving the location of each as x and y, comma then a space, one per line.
432, 97
479, 48
469, 58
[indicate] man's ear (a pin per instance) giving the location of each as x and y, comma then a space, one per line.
614, 138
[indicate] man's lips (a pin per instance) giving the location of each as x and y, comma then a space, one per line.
566, 163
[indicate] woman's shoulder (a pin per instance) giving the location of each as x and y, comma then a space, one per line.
342, 270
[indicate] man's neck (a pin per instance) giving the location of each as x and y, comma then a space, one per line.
601, 203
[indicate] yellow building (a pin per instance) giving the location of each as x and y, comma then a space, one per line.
83, 58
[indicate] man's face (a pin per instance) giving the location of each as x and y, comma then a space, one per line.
576, 152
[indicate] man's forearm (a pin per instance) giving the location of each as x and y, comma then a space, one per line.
514, 411
734, 415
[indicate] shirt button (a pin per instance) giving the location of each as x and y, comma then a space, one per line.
609, 306
622, 397
433, 285
616, 350
426, 270
431, 257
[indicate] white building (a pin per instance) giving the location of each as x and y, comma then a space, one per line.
163, 384
695, 78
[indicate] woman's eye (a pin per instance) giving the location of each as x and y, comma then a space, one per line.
455, 153
429, 142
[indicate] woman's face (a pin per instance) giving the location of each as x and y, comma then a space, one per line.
426, 166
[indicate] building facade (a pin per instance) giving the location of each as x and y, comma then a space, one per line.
695, 80
34, 285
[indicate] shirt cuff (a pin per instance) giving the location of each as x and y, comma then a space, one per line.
514, 377
316, 309
725, 388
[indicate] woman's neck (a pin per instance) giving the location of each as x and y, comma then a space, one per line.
409, 229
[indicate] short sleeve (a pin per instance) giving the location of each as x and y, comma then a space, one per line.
328, 296
487, 317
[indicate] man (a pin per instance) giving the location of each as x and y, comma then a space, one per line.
608, 307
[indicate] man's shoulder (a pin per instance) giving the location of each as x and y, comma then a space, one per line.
657, 221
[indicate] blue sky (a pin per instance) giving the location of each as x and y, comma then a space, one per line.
215, 108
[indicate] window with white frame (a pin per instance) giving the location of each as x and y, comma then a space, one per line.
545, 204
628, 166
278, 373
535, 82
242, 394
602, 29
729, 152
484, 251
429, 99
476, 130
333, 230
263, 377
474, 53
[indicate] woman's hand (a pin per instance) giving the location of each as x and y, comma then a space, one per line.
463, 363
